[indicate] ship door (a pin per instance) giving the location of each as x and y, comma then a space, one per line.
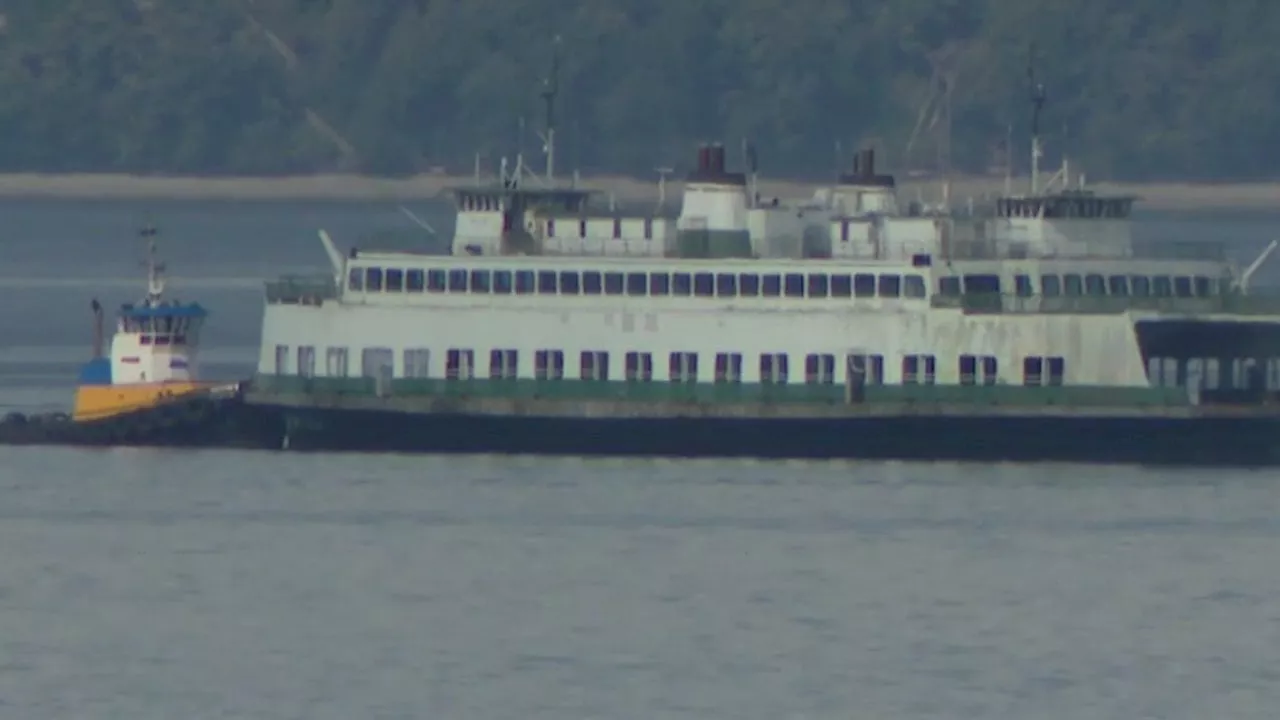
379, 364
855, 378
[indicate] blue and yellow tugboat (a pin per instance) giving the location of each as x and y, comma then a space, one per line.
143, 386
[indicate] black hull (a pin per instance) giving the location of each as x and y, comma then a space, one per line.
203, 422
1212, 441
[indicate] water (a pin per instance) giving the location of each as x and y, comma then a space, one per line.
163, 584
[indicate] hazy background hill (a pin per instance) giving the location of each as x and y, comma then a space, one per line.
1138, 89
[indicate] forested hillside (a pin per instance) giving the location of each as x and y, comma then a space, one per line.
1136, 88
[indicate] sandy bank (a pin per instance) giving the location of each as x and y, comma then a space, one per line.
1156, 196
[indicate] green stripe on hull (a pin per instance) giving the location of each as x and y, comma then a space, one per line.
1013, 395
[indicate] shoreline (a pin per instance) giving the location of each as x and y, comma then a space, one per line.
1165, 196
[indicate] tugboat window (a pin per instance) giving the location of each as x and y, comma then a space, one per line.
659, 283
841, 286
525, 284
704, 285
373, 279
864, 285
546, 282
890, 286
818, 285
748, 285
1118, 285
727, 285
613, 284
795, 285
569, 283
681, 284
771, 285
502, 282
591, 283
1095, 284
395, 280
457, 281
436, 281
480, 281
1072, 285
637, 283
1050, 285
415, 281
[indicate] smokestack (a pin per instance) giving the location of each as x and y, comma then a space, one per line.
97, 328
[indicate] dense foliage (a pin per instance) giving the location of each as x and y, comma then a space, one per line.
1136, 88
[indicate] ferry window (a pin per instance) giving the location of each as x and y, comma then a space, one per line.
457, 281
502, 282
890, 286
773, 368
794, 284
930, 369
1057, 369
818, 285
726, 285
910, 369
841, 286
659, 283
648, 228
873, 367
373, 279
864, 285
989, 368
1141, 285
590, 283
637, 283
968, 369
547, 282
502, 364
1118, 285
947, 286
1204, 286
1095, 284
613, 283
569, 284
335, 362
1022, 286
617, 229
819, 369
525, 284
1182, 286
459, 364
913, 285
639, 366
683, 367
437, 281
417, 363
1072, 286
551, 228
981, 284
681, 284
479, 281
282, 359
594, 364
355, 279
704, 284
1050, 285
395, 280
1032, 371
548, 365
771, 285
728, 367
1161, 287
582, 228
415, 281
748, 285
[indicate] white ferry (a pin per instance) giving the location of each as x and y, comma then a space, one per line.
1034, 326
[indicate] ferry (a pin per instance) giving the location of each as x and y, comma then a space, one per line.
1034, 326
142, 386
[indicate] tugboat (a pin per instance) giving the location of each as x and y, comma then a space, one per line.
144, 389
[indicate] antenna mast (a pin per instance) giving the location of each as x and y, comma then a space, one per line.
1037, 105
155, 270
551, 89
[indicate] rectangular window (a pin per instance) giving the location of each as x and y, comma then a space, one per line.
841, 286
335, 362
525, 283
818, 285
1182, 286
373, 279
913, 286
1022, 286
637, 283
437, 281
417, 363
613, 283
919, 369
459, 364
377, 362
681, 284
726, 285
282, 360
1057, 370
819, 369
728, 367
1050, 285
548, 365
989, 370
594, 365
773, 368
748, 284
591, 283
502, 283
569, 284
546, 282
968, 369
395, 280
873, 366
1033, 371
457, 281
949, 286
1118, 285
704, 284
659, 284
683, 367
415, 281
306, 361
639, 367
793, 284
481, 281
1161, 286
503, 365
355, 280
890, 286
1141, 285
1095, 284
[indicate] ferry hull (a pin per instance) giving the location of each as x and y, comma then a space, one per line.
97, 402
1065, 437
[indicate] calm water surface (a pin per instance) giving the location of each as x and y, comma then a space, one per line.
157, 584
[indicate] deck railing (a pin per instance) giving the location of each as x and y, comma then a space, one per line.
998, 303
301, 290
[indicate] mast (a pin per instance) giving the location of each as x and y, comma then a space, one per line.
550, 90
155, 270
1037, 105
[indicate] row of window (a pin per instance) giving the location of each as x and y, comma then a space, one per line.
1215, 373
1090, 284
727, 367
590, 282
